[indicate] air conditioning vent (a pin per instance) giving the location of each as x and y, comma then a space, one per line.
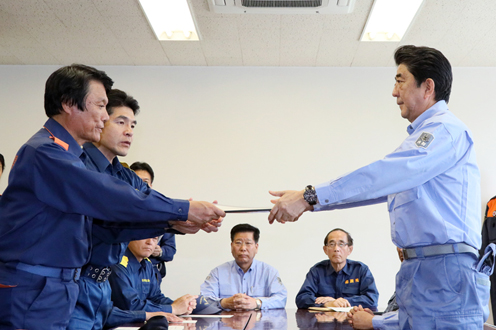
281, 6
281, 3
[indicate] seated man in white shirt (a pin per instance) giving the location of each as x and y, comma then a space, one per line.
245, 283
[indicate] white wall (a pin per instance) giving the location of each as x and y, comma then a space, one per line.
232, 134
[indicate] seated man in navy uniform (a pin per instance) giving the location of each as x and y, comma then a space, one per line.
166, 247
338, 281
245, 283
52, 199
135, 286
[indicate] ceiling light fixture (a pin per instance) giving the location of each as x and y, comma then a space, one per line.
390, 19
170, 19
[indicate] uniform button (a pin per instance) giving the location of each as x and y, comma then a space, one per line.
180, 210
327, 201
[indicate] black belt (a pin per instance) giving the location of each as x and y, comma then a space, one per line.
98, 273
436, 250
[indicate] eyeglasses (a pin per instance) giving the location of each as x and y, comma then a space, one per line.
341, 244
247, 244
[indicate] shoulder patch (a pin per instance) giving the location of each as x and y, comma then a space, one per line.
125, 261
279, 280
208, 278
424, 140
60, 142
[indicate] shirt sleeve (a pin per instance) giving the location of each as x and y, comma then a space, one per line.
118, 235
407, 167
210, 288
308, 291
277, 291
125, 296
388, 321
118, 317
369, 296
94, 194
168, 245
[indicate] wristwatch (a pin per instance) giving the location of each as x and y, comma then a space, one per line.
310, 195
259, 304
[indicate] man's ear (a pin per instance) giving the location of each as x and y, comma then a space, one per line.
68, 108
429, 88
351, 249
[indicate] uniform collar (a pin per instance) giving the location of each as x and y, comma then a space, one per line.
61, 133
100, 160
345, 270
133, 263
440, 106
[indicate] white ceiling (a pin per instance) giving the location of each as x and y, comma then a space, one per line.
116, 32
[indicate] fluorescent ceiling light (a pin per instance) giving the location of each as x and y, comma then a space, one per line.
170, 19
389, 19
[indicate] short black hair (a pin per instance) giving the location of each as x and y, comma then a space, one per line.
350, 240
118, 98
2, 162
69, 84
424, 63
245, 228
142, 166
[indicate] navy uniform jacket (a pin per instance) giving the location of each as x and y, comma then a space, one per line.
135, 287
45, 210
94, 305
168, 245
105, 251
354, 282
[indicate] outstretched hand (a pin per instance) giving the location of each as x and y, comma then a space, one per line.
289, 207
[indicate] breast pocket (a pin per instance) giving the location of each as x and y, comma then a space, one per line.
145, 286
351, 289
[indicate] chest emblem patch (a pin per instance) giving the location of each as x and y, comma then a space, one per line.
424, 140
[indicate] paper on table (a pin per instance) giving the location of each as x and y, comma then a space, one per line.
319, 309
207, 316
341, 309
184, 321
330, 309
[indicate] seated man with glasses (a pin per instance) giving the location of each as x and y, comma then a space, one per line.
245, 283
338, 282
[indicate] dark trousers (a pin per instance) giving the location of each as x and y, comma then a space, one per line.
35, 302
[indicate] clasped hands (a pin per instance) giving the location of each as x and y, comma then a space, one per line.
239, 301
361, 318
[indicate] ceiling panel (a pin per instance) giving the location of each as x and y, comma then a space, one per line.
116, 32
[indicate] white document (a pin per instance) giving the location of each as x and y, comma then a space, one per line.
341, 309
241, 209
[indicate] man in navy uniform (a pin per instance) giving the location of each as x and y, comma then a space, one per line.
338, 281
52, 198
135, 286
94, 306
166, 247
432, 186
